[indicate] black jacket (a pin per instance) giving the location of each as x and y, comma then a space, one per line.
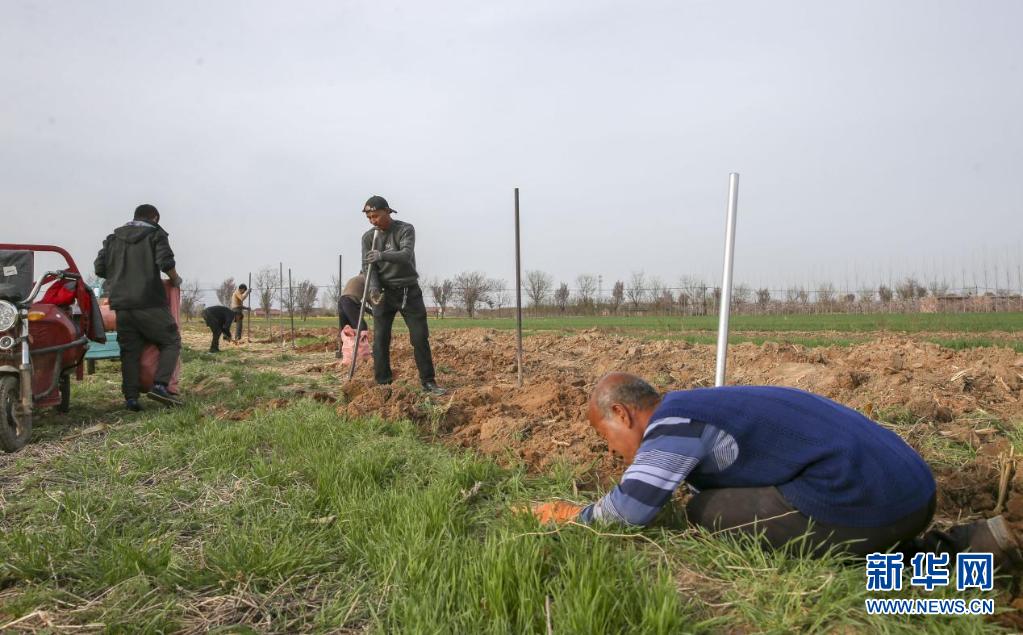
131, 261
219, 318
397, 265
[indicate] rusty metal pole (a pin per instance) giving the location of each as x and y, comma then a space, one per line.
340, 282
280, 291
726, 281
248, 318
291, 307
518, 292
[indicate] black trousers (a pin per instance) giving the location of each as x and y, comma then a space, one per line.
348, 309
763, 510
135, 329
414, 314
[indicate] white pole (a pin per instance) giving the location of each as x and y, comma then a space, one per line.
726, 281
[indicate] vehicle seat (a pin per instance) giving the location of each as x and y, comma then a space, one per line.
16, 274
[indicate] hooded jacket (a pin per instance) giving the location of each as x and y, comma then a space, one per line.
131, 260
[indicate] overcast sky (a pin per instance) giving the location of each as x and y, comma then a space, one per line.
873, 138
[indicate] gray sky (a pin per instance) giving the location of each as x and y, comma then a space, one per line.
874, 138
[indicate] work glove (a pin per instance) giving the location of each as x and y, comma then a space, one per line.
554, 512
374, 255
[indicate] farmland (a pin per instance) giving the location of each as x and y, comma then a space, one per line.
282, 500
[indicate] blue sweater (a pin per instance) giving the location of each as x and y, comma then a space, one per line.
829, 461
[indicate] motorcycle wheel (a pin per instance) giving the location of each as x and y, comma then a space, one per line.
65, 393
14, 433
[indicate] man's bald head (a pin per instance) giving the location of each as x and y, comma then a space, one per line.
625, 389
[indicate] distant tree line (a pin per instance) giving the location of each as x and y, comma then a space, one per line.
472, 293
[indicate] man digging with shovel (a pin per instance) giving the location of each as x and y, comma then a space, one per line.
776, 462
389, 261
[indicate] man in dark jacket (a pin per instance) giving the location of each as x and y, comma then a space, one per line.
389, 255
131, 260
219, 319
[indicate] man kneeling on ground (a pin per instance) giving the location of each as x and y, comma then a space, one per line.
219, 319
772, 461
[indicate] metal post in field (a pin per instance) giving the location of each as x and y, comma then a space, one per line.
248, 318
280, 291
340, 282
518, 293
291, 307
726, 281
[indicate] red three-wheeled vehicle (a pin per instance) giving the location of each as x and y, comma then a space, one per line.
41, 343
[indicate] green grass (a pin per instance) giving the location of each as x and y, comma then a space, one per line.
295, 520
961, 343
841, 322
981, 329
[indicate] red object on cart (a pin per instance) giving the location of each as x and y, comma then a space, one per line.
150, 354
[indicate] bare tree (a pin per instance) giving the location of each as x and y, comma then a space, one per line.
266, 284
763, 297
473, 289
332, 294
695, 293
654, 287
617, 295
500, 294
938, 289
538, 287
190, 294
910, 289
327, 303
225, 291
442, 292
288, 303
665, 300
586, 290
561, 297
305, 298
866, 295
884, 293
741, 295
825, 293
636, 291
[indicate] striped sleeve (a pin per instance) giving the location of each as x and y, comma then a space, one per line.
672, 447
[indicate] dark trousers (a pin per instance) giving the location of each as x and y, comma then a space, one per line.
348, 309
239, 316
763, 510
414, 314
135, 329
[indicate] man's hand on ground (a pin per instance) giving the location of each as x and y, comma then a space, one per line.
553, 512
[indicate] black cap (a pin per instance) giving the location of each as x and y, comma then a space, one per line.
378, 202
